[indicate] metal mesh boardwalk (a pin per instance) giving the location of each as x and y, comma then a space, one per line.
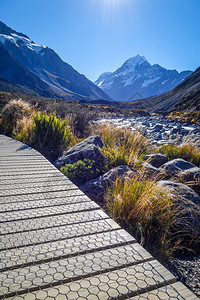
55, 243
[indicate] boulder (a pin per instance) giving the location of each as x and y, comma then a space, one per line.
150, 170
175, 166
195, 131
157, 159
192, 178
184, 192
174, 131
146, 123
96, 188
157, 128
87, 149
192, 174
188, 207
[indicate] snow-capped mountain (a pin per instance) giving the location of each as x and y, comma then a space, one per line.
137, 79
39, 69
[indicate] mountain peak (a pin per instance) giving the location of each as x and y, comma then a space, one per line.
7, 34
137, 59
137, 78
4, 29
131, 64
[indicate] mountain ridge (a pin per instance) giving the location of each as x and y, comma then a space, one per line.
184, 97
55, 78
137, 78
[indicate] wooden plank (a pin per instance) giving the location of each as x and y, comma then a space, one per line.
31, 177
29, 225
56, 233
41, 196
21, 185
60, 248
169, 292
106, 285
47, 211
42, 203
37, 189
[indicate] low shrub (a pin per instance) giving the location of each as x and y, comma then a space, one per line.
144, 210
81, 171
12, 113
47, 134
81, 122
186, 151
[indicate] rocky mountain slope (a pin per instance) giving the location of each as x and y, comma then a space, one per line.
39, 69
137, 79
184, 97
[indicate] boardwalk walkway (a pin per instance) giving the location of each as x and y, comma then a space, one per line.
55, 243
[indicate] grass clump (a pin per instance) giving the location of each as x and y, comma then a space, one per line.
192, 116
186, 151
12, 113
143, 209
121, 146
80, 171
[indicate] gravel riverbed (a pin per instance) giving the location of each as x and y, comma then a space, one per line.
158, 129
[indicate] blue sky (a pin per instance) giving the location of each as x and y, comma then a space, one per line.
95, 36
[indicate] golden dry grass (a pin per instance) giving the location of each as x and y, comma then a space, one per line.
122, 146
13, 113
186, 151
145, 210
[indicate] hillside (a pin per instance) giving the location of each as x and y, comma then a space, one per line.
40, 69
184, 97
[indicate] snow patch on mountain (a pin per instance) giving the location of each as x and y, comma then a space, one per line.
130, 80
21, 41
149, 81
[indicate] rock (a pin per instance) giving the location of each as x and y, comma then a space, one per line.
146, 123
187, 268
150, 170
192, 178
96, 188
180, 130
188, 209
87, 149
173, 137
158, 137
157, 128
174, 131
175, 166
195, 131
183, 191
156, 159
192, 174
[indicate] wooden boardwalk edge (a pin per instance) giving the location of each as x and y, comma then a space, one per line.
55, 243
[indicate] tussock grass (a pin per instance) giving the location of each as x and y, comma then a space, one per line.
121, 146
12, 113
186, 151
144, 210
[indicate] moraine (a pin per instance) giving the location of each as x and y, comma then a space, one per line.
158, 129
